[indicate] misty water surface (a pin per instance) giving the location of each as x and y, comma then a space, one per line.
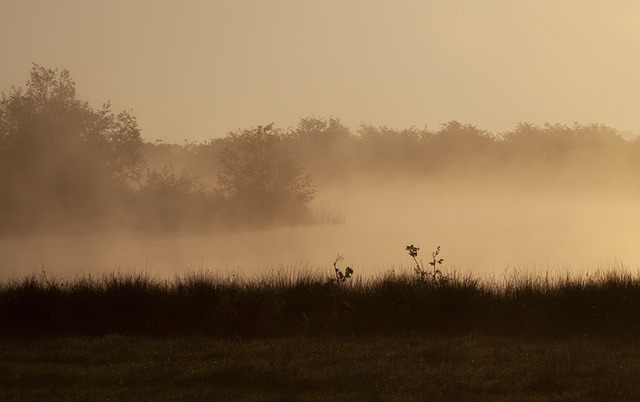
480, 230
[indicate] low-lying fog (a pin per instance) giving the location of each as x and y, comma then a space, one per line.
482, 230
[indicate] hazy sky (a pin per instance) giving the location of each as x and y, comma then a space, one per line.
198, 69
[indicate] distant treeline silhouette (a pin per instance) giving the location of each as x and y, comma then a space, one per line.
65, 166
531, 155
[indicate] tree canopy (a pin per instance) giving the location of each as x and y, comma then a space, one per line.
261, 178
64, 163
58, 156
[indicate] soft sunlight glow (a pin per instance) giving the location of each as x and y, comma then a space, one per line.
199, 69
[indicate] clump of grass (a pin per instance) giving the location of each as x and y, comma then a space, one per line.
341, 277
422, 274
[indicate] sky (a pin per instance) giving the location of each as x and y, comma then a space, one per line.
196, 70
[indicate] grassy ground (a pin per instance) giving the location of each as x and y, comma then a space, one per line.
394, 367
600, 304
307, 337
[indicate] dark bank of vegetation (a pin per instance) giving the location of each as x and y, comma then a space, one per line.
426, 301
65, 166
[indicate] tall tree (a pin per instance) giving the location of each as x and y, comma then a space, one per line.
59, 156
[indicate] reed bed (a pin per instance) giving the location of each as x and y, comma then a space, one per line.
282, 302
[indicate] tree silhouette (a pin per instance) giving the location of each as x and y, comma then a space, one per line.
58, 156
260, 178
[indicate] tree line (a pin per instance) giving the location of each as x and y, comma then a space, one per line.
66, 166
552, 156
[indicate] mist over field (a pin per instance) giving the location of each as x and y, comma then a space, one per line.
319, 200
83, 193
254, 136
480, 231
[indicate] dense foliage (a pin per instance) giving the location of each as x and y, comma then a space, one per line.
65, 166
577, 156
61, 160
260, 179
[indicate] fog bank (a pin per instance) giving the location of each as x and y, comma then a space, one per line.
482, 229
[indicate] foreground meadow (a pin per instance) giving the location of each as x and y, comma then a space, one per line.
422, 335
392, 367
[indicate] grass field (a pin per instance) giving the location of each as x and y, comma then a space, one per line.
392, 367
311, 304
306, 336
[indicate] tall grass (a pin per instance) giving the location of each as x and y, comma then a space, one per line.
308, 302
